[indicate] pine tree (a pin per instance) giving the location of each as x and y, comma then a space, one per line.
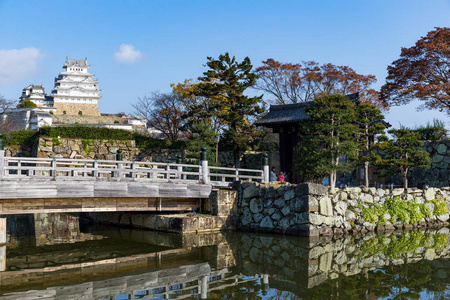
370, 122
326, 137
401, 153
225, 82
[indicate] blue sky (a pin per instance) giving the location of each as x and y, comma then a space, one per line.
136, 47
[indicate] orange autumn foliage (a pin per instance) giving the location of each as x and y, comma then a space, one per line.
421, 73
294, 83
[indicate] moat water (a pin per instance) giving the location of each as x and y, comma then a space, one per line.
59, 257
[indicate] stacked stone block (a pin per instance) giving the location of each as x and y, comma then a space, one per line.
311, 210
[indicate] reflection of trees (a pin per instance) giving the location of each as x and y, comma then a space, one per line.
286, 261
247, 290
396, 282
283, 295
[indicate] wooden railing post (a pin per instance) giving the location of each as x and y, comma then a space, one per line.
204, 287
150, 174
95, 167
2, 164
2, 157
265, 167
179, 168
133, 174
204, 164
52, 166
119, 169
119, 165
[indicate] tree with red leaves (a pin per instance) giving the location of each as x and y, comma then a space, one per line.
294, 83
422, 73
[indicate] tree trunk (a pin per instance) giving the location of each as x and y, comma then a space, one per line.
333, 180
237, 162
366, 173
405, 178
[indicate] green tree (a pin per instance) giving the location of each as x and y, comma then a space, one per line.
326, 137
371, 122
401, 153
26, 104
225, 82
198, 109
201, 135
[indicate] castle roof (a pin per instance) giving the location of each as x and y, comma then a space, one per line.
34, 86
291, 113
76, 62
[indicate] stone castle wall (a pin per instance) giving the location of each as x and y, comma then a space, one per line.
77, 119
312, 210
87, 109
100, 149
107, 149
438, 175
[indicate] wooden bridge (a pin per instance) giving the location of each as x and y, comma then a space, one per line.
51, 185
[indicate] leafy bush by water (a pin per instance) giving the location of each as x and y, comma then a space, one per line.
407, 212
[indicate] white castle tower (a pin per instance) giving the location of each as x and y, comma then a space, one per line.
36, 94
76, 92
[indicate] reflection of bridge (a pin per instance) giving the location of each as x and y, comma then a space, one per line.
177, 282
86, 270
141, 264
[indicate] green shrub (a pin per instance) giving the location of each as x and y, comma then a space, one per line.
86, 143
440, 207
374, 214
21, 137
407, 212
26, 104
86, 132
148, 142
56, 142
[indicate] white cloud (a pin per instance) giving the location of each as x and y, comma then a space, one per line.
17, 64
127, 54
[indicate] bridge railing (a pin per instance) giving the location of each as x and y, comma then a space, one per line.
89, 169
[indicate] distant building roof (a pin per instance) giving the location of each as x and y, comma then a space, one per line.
283, 114
291, 113
75, 62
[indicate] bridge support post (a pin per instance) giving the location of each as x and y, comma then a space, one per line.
2, 258
265, 167
204, 164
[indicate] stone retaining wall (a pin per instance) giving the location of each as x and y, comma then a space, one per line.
96, 119
312, 210
86, 109
438, 175
107, 149
101, 149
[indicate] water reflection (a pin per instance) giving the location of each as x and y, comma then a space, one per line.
63, 259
